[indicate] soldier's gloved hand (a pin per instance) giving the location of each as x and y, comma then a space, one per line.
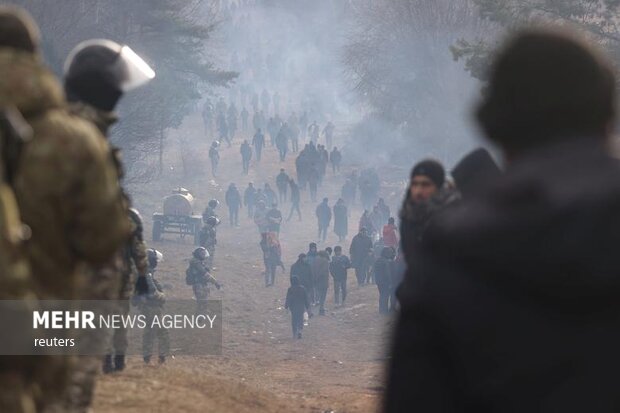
141, 286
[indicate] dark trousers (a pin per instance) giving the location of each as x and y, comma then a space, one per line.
360, 274
340, 289
282, 193
246, 166
250, 210
297, 321
233, 213
270, 274
322, 231
294, 207
384, 298
322, 292
282, 154
258, 151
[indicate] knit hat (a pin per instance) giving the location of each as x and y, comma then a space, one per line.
431, 169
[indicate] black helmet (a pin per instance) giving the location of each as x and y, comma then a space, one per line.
99, 71
201, 253
213, 221
214, 203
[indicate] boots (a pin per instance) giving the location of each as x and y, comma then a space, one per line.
107, 364
162, 359
119, 362
147, 359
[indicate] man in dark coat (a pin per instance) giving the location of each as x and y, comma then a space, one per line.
233, 201
301, 269
383, 269
282, 181
335, 158
324, 217
249, 199
358, 251
246, 156
297, 302
320, 275
258, 141
341, 221
512, 304
338, 268
295, 199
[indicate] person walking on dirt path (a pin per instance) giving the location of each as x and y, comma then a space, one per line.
233, 201
324, 217
249, 199
246, 156
358, 251
214, 157
258, 141
282, 182
320, 275
301, 269
297, 303
341, 220
338, 268
383, 269
295, 200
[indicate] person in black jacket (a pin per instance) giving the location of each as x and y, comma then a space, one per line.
513, 300
297, 302
233, 201
324, 217
358, 251
383, 270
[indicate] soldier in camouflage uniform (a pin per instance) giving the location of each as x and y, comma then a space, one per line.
208, 239
17, 390
66, 186
151, 305
96, 78
197, 275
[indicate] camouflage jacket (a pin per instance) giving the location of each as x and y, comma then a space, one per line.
200, 272
66, 186
132, 255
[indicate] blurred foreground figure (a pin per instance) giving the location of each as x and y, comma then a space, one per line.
65, 185
512, 301
98, 73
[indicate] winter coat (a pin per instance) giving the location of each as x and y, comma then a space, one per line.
297, 299
341, 221
513, 301
233, 198
302, 270
338, 266
360, 244
324, 214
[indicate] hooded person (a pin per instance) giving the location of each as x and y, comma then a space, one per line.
472, 173
513, 303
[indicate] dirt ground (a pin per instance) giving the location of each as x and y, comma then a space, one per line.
337, 366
